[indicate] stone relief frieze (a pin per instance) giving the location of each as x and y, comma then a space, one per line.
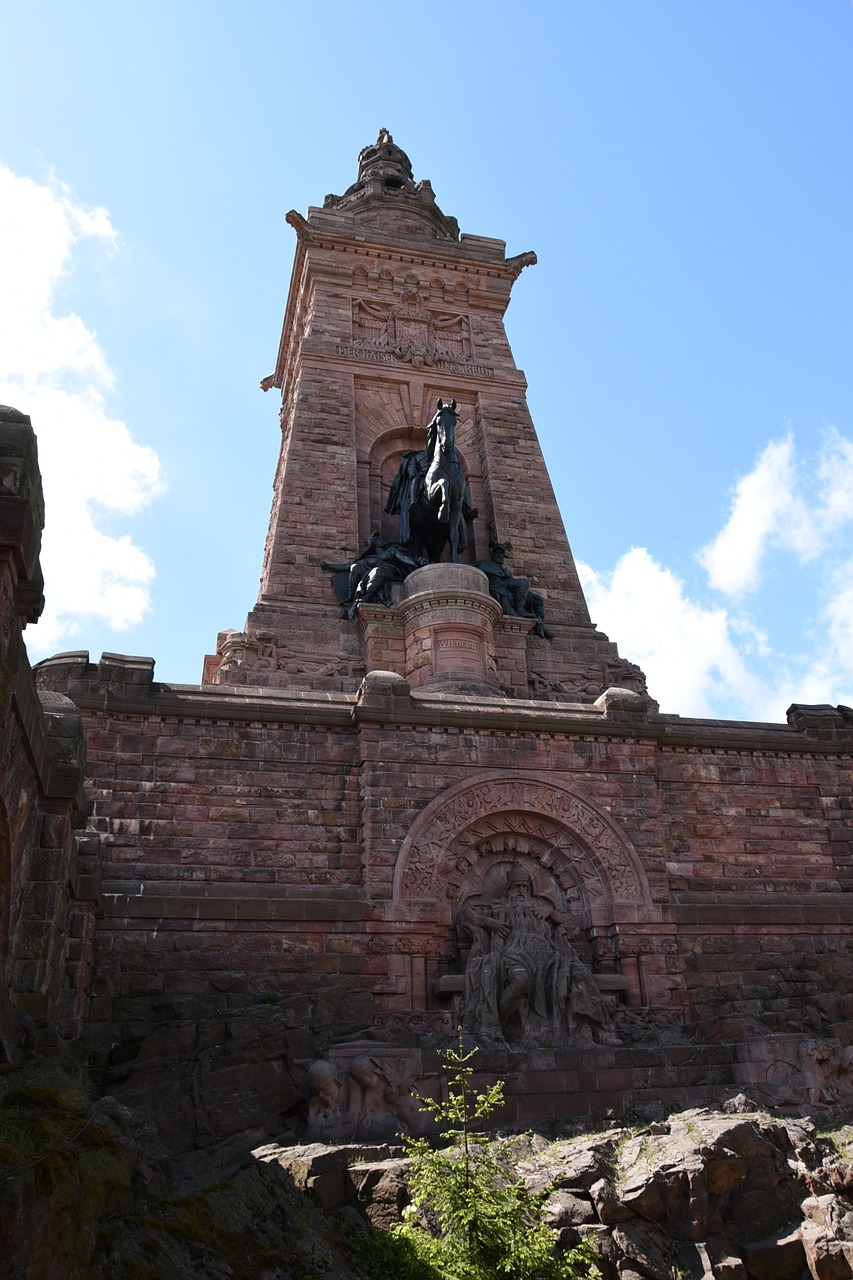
411, 330
262, 652
408, 332
439, 1022
410, 946
368, 1098
586, 686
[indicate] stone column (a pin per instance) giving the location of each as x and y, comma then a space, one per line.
449, 621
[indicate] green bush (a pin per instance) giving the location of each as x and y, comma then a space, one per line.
471, 1217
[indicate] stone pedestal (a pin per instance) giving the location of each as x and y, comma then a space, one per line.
449, 622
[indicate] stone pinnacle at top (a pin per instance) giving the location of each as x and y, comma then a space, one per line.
386, 161
386, 196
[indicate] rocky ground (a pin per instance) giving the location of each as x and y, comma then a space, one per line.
735, 1194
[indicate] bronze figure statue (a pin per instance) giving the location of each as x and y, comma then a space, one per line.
430, 492
514, 595
368, 579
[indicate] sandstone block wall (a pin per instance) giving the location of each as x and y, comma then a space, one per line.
48, 862
281, 871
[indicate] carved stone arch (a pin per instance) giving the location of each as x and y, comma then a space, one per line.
540, 843
574, 841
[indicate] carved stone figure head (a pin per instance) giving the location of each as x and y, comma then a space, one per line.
518, 882
323, 1081
363, 1071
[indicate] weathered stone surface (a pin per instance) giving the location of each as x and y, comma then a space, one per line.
47, 877
381, 1191
778, 1258
565, 1209
711, 1193
608, 1205
827, 1257
644, 1251
324, 1171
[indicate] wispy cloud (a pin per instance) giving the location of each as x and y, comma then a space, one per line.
55, 369
781, 505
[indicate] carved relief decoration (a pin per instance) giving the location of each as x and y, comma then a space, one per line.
586, 685
383, 944
407, 331
523, 976
366, 1098
415, 334
578, 844
263, 653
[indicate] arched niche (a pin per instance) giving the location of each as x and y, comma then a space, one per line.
386, 455
564, 838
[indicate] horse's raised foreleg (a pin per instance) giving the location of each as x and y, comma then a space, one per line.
440, 497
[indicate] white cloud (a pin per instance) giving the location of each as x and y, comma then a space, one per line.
55, 369
835, 482
711, 659
688, 651
766, 511
784, 505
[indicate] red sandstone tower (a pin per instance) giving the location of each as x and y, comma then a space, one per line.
389, 309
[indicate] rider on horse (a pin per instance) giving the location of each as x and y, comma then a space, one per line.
408, 488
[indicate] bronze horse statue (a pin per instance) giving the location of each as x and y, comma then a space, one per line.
430, 492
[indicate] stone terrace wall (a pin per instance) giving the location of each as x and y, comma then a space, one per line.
48, 863
282, 871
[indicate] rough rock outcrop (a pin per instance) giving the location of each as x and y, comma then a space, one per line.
85, 1195
709, 1195
740, 1196
737, 1194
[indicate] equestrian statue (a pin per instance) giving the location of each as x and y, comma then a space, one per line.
430, 492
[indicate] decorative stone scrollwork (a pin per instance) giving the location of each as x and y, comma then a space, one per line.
582, 847
409, 946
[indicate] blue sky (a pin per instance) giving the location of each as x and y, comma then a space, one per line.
683, 171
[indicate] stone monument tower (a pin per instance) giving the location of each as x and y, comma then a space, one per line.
391, 309
419, 788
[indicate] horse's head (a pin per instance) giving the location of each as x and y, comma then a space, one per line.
444, 425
